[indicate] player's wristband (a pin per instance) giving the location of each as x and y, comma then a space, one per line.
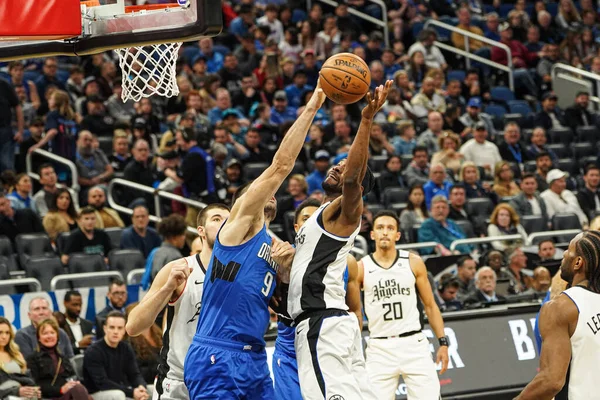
443, 341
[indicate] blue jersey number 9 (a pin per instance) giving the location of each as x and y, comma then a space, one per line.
268, 282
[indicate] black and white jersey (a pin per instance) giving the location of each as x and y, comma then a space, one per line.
317, 276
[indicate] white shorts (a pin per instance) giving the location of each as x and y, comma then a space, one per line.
331, 362
172, 390
410, 357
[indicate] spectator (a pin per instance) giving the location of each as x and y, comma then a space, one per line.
505, 221
457, 200
120, 111
16, 71
492, 21
427, 100
504, 182
378, 141
315, 179
561, 200
108, 370
469, 176
457, 104
390, 66
588, 196
518, 21
139, 235
417, 171
426, 45
14, 222
529, 202
36, 131
173, 230
538, 145
234, 149
281, 112
567, 14
430, 137
235, 179
485, 281
120, 156
81, 332
405, 142
43, 199
578, 115
9, 103
391, 176
48, 77
214, 60
479, 150
512, 149
533, 40
551, 56
108, 73
146, 347
140, 170
540, 283
52, 371
87, 239
474, 116
274, 24
106, 217
117, 298
90, 89
97, 120
415, 212
446, 294
441, 230
257, 151
61, 216
437, 184
448, 155
473, 87
20, 198
466, 274
297, 189
93, 166
26, 338
146, 117
548, 251
342, 140
406, 87
517, 263
295, 91
543, 164
464, 23
550, 117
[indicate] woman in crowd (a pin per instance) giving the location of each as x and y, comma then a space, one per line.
405, 86
448, 155
379, 145
391, 176
310, 40
415, 212
505, 221
567, 14
61, 216
504, 184
147, 348
469, 176
416, 68
20, 198
54, 374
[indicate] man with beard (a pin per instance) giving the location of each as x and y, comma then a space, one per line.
569, 325
79, 330
235, 313
92, 165
106, 217
316, 299
178, 286
87, 239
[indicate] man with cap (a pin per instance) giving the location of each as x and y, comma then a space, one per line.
281, 112
550, 116
36, 131
97, 120
481, 151
578, 114
559, 199
473, 115
315, 179
235, 178
295, 91
309, 66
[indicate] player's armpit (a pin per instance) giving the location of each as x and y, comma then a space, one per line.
353, 290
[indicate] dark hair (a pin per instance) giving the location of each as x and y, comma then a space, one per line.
471, 71
201, 220
115, 314
589, 167
310, 202
54, 203
44, 166
461, 261
172, 226
418, 149
448, 280
544, 241
391, 157
411, 206
86, 210
582, 93
240, 191
71, 293
387, 213
115, 282
588, 247
542, 154
457, 186
527, 175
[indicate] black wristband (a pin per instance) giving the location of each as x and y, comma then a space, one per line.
443, 341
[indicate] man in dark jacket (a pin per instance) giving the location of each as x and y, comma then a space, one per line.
529, 202
80, 330
512, 149
485, 281
550, 116
588, 196
578, 115
14, 222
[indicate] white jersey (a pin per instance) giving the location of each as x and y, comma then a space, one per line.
391, 303
585, 345
317, 276
182, 319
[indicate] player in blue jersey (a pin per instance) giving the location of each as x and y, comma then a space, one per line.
227, 358
284, 365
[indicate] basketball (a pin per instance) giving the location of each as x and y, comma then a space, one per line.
345, 78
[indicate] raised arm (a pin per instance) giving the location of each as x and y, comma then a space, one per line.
356, 165
353, 290
247, 212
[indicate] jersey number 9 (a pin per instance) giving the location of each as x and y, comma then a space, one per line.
267, 283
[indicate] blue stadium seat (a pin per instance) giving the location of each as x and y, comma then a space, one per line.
519, 107
190, 53
502, 93
457, 74
505, 9
417, 28
31, 75
552, 8
496, 111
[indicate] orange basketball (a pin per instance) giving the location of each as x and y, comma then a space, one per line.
345, 78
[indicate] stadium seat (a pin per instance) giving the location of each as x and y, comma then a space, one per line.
377, 163
588, 134
115, 236
582, 150
458, 75
375, 208
534, 223
61, 242
560, 149
561, 135
33, 245
398, 207
529, 166
519, 107
106, 144
516, 118
406, 160
394, 195
413, 234
288, 224
6, 250
81, 263
496, 111
44, 269
482, 207
77, 362
568, 165
502, 94
253, 170
466, 226
563, 221
125, 260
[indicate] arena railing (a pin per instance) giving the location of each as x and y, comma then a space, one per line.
84, 276
549, 234
383, 23
21, 282
61, 160
134, 273
576, 75
480, 240
470, 56
415, 246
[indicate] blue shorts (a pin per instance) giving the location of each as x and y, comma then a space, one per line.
285, 372
221, 369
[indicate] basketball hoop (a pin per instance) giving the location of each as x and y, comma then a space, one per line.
149, 70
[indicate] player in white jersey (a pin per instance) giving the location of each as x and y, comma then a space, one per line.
393, 281
178, 286
570, 327
328, 340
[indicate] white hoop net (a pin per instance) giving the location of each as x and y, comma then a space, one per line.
149, 70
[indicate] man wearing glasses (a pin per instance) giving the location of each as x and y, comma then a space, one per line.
117, 297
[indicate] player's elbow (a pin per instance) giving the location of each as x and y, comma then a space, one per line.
283, 165
555, 385
132, 329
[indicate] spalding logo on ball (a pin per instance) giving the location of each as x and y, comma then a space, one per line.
345, 78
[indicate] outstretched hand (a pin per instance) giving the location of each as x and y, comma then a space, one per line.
318, 96
377, 100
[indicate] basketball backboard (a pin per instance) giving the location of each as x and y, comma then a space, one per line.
34, 28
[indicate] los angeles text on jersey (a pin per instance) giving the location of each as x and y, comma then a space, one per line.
388, 288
